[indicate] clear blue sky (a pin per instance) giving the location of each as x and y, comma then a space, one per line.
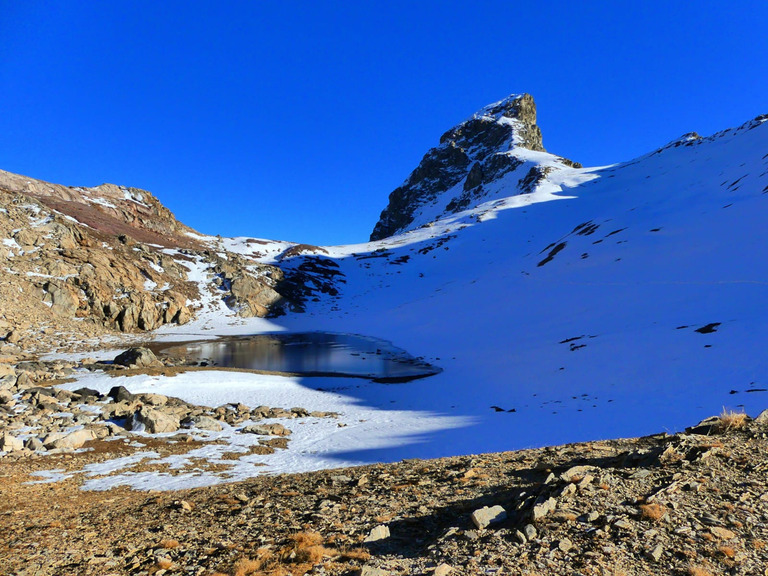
295, 120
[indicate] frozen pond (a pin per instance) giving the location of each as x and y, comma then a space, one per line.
306, 354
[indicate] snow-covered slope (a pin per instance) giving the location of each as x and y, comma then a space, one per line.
603, 302
632, 300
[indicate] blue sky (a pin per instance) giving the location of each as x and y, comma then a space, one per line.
295, 120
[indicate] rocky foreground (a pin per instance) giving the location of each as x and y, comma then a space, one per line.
693, 503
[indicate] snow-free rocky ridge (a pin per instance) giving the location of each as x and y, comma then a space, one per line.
563, 304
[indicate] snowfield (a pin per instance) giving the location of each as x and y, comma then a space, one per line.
611, 302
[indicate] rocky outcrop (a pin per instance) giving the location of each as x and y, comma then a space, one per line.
86, 261
249, 292
470, 156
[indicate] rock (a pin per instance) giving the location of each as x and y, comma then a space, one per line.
33, 443
655, 553
73, 440
473, 154
762, 418
488, 515
381, 532
137, 358
9, 443
266, 429
7, 370
153, 399
722, 533
575, 473
155, 421
202, 423
373, 571
13, 337
88, 394
541, 510
120, 394
443, 570
530, 531
6, 398
564, 545
62, 297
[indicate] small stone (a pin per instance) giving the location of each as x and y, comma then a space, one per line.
655, 553
373, 571
488, 515
722, 533
593, 516
564, 545
184, 505
623, 524
521, 537
530, 531
575, 473
762, 418
541, 510
379, 533
443, 570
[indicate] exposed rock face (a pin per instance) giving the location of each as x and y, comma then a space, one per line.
469, 157
85, 261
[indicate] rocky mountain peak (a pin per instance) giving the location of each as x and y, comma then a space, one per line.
470, 157
508, 122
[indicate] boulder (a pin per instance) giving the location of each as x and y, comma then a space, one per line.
9, 443
266, 429
153, 399
6, 398
121, 394
73, 440
379, 533
137, 358
62, 297
88, 394
155, 421
488, 515
201, 422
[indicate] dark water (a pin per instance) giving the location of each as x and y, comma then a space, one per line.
306, 353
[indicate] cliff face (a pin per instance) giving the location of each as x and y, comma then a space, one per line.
470, 157
85, 261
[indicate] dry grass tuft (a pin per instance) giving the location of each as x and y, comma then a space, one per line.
265, 558
305, 539
355, 554
308, 547
727, 551
653, 512
163, 564
247, 567
731, 420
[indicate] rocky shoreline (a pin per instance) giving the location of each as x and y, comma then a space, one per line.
693, 504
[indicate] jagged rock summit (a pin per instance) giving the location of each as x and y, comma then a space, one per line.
500, 140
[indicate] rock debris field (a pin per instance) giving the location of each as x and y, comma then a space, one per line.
694, 503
